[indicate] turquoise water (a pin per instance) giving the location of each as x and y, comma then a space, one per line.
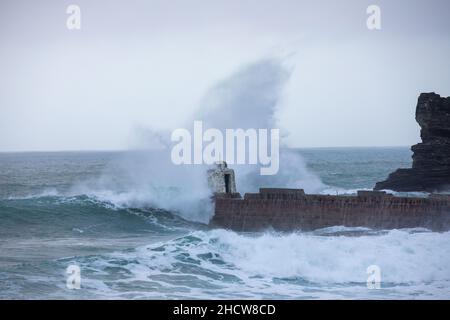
137, 232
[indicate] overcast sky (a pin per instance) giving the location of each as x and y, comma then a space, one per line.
148, 64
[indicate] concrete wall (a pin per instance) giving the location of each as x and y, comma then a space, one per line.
288, 210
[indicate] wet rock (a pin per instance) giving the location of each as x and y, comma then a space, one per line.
431, 159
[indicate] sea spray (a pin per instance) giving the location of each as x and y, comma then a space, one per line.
146, 179
251, 98
247, 99
293, 266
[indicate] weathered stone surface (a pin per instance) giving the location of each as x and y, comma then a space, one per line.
221, 179
287, 210
431, 159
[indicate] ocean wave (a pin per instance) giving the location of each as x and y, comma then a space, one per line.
295, 265
50, 192
57, 213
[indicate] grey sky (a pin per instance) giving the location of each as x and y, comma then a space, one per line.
148, 64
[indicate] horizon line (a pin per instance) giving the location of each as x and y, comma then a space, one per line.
148, 149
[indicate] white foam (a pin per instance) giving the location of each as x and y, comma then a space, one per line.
413, 265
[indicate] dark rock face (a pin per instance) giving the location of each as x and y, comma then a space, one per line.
431, 159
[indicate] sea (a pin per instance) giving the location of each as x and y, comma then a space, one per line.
132, 228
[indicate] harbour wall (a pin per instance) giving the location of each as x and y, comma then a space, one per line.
292, 209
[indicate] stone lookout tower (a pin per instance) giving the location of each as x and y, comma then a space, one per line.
221, 179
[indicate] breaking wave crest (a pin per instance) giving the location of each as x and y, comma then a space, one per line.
297, 265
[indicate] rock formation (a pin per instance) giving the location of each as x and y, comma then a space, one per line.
431, 159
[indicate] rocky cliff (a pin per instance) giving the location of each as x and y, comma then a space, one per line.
431, 159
